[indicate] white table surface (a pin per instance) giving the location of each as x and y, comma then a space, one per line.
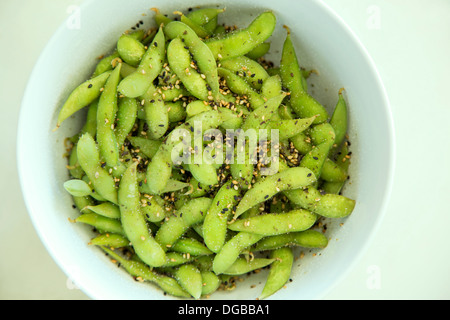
409, 257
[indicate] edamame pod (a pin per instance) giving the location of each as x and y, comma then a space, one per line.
180, 62
110, 240
101, 223
134, 223
231, 250
142, 272
106, 209
126, 118
215, 224
250, 70
245, 40
156, 113
263, 190
304, 105
339, 119
210, 282
137, 83
190, 246
280, 271
271, 224
177, 224
89, 160
82, 96
148, 147
200, 51
306, 239
77, 188
130, 50
190, 278
106, 117
259, 51
243, 266
260, 116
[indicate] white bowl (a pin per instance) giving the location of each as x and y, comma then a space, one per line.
323, 42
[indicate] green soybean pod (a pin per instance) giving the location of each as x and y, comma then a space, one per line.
106, 117
176, 111
290, 128
106, 209
198, 29
243, 266
280, 271
82, 202
304, 105
160, 19
140, 271
239, 86
153, 209
101, 223
196, 107
210, 282
242, 171
190, 279
322, 136
197, 189
180, 62
176, 225
200, 51
134, 223
175, 259
219, 31
289, 179
333, 172
307, 239
271, 87
190, 246
126, 118
90, 126
137, 83
82, 96
156, 113
147, 146
250, 70
328, 205
204, 172
105, 64
232, 249
311, 199
203, 16
216, 219
261, 115
89, 160
77, 188
130, 49
343, 163
127, 70
339, 120
111, 240
259, 51
271, 224
245, 40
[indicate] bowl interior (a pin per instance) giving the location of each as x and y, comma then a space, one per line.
322, 41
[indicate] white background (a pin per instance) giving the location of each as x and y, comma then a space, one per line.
409, 257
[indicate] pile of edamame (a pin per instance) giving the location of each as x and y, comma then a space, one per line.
192, 228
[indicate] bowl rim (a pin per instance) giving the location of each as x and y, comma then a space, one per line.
391, 162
